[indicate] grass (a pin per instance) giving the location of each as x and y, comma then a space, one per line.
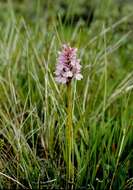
33, 105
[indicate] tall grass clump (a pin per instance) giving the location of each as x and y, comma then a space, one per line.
35, 152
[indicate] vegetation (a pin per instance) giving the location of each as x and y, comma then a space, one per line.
33, 106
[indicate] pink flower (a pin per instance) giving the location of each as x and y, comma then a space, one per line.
68, 66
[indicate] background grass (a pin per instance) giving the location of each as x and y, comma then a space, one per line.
33, 106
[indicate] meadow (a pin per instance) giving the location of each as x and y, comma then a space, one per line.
33, 106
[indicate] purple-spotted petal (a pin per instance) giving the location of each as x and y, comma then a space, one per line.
68, 66
68, 74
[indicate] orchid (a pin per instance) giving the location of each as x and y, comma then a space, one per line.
68, 66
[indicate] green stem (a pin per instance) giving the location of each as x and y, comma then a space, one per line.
69, 134
118, 158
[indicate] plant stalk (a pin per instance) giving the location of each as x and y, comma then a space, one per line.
69, 135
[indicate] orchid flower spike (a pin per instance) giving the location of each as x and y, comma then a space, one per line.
68, 66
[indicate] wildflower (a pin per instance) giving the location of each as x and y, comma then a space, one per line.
68, 66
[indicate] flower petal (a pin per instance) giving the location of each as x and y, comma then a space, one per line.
78, 76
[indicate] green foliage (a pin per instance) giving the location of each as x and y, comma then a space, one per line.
33, 106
